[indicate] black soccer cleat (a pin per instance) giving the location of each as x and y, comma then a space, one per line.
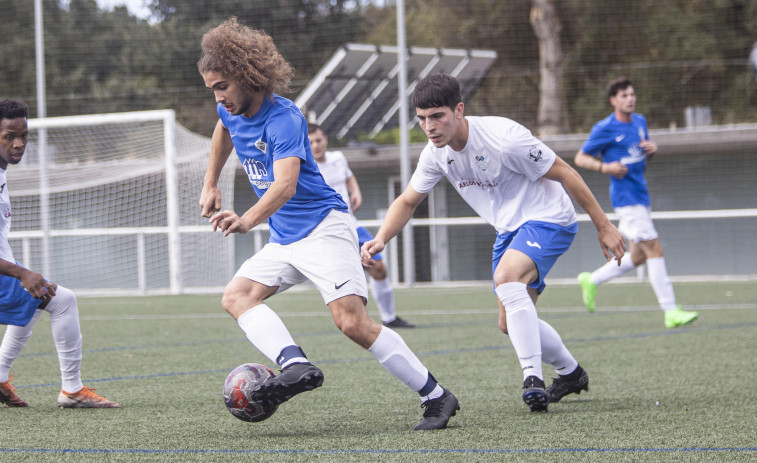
572, 383
294, 379
438, 412
534, 394
398, 323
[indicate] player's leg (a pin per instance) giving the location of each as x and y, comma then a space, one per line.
520, 262
18, 310
13, 341
663, 288
396, 357
381, 287
329, 258
521, 322
628, 225
64, 322
257, 279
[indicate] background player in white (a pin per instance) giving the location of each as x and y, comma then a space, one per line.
619, 146
336, 171
515, 182
24, 294
312, 235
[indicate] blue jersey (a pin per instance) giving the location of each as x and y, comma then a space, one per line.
619, 141
279, 130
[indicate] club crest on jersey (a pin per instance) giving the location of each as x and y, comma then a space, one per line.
481, 162
261, 145
534, 154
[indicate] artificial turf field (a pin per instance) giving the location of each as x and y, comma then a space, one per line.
656, 394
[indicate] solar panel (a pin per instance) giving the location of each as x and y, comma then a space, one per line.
356, 91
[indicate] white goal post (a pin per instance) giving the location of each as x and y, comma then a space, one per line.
108, 203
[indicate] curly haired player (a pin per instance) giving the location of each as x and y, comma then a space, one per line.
311, 234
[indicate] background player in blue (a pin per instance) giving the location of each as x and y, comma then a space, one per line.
337, 174
25, 294
619, 146
312, 236
518, 185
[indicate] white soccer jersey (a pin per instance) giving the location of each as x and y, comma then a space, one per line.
336, 171
5, 220
499, 174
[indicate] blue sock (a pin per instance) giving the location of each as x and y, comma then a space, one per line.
291, 354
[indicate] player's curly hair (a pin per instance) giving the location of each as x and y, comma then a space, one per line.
13, 109
247, 56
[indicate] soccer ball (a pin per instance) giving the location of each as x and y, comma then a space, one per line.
237, 391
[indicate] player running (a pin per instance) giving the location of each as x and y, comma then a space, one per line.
514, 182
24, 294
311, 234
335, 170
622, 142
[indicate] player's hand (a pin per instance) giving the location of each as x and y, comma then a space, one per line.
616, 169
229, 222
648, 146
612, 242
370, 249
210, 200
356, 200
37, 286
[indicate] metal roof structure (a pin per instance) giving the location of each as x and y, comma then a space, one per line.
356, 91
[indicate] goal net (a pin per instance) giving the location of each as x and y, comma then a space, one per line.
109, 203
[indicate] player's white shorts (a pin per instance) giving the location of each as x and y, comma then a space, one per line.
329, 257
635, 223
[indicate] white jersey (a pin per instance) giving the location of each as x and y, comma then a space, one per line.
5, 219
336, 172
499, 174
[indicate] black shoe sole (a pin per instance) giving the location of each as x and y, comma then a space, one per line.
537, 399
274, 393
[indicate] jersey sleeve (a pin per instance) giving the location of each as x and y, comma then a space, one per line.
525, 154
286, 136
599, 139
427, 173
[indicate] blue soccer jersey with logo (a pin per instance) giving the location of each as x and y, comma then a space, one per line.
279, 130
619, 141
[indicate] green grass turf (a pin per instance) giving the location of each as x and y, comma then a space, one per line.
655, 394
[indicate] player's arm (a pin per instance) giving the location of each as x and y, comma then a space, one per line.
610, 238
589, 162
220, 149
286, 172
31, 281
356, 197
397, 216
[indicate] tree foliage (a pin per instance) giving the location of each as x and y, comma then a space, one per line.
678, 53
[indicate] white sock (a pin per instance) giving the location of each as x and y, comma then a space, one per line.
64, 321
553, 350
522, 326
394, 355
663, 288
267, 332
384, 296
436, 393
611, 270
13, 341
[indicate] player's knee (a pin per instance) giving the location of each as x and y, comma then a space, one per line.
63, 302
378, 271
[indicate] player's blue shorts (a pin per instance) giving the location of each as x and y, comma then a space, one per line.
543, 242
17, 305
364, 235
